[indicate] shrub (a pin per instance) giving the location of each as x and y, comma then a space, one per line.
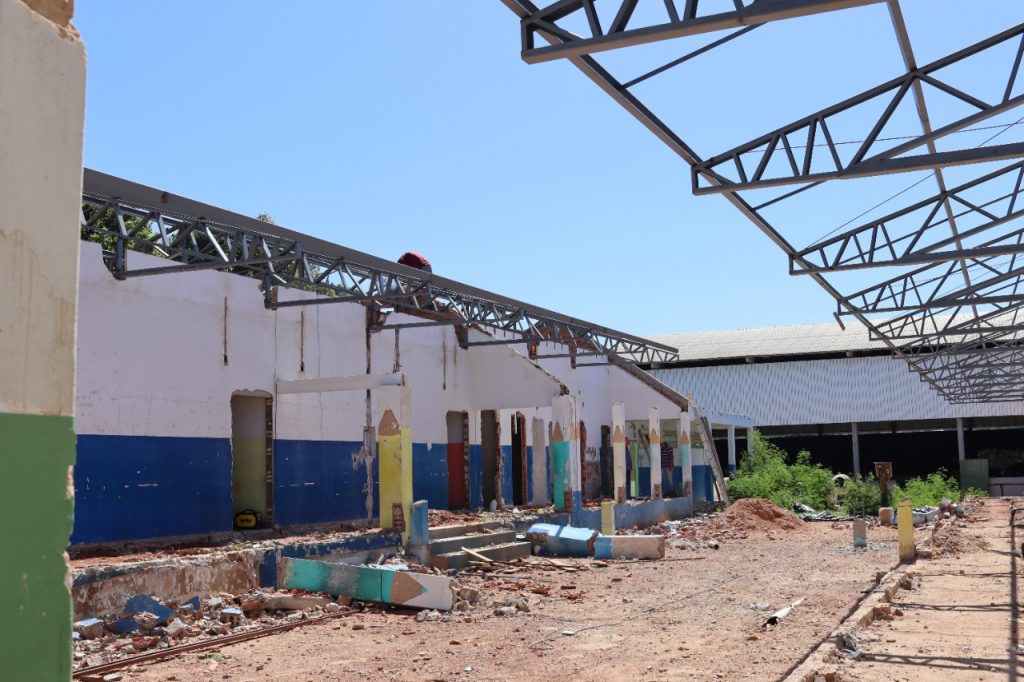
763, 473
863, 496
929, 490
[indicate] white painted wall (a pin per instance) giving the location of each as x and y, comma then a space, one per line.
151, 352
822, 392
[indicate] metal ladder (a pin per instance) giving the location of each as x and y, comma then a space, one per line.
712, 455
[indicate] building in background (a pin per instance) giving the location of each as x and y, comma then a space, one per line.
843, 397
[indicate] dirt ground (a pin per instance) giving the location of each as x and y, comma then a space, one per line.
697, 614
960, 622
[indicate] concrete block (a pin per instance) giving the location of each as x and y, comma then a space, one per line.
143, 602
629, 547
124, 626
454, 543
90, 628
562, 540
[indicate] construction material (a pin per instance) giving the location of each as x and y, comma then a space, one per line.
562, 540
774, 619
215, 643
419, 531
629, 547
368, 583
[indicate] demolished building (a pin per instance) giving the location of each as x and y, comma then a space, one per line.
231, 366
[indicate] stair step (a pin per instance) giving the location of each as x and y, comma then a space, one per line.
452, 544
462, 529
507, 551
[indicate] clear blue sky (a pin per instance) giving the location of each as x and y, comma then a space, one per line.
416, 126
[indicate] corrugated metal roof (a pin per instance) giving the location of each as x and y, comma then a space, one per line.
800, 339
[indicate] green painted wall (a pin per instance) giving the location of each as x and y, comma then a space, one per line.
36, 454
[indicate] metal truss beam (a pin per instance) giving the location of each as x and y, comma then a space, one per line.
774, 159
935, 286
681, 18
198, 236
918, 234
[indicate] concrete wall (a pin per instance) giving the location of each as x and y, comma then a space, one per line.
42, 95
155, 391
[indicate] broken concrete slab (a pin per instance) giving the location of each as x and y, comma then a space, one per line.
90, 628
562, 540
368, 583
629, 547
143, 602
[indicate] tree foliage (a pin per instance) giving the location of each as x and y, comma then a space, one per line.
764, 472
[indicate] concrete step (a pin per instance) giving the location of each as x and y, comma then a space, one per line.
452, 544
507, 551
463, 529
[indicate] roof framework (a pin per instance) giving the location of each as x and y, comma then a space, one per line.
953, 311
193, 236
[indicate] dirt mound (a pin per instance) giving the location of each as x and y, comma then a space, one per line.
949, 540
755, 514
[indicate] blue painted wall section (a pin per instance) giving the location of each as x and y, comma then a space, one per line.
133, 487
702, 485
316, 482
430, 474
351, 545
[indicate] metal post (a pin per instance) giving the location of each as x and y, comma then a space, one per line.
960, 439
855, 436
732, 447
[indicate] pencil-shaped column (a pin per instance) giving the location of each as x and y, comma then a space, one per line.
654, 431
395, 436
565, 468
684, 452
619, 451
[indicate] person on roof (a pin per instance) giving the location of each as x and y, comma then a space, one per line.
415, 260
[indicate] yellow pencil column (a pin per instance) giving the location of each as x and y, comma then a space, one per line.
654, 451
684, 452
619, 451
395, 450
905, 530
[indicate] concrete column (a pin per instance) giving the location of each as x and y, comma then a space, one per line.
654, 452
855, 435
750, 440
685, 458
42, 101
619, 451
732, 448
961, 454
395, 451
565, 446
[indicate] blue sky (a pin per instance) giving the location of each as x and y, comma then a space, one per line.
416, 126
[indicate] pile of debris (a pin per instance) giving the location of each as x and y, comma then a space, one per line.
147, 623
743, 517
948, 539
753, 514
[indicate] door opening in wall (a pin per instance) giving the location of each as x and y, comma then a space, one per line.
607, 471
458, 434
519, 440
540, 463
491, 456
252, 459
